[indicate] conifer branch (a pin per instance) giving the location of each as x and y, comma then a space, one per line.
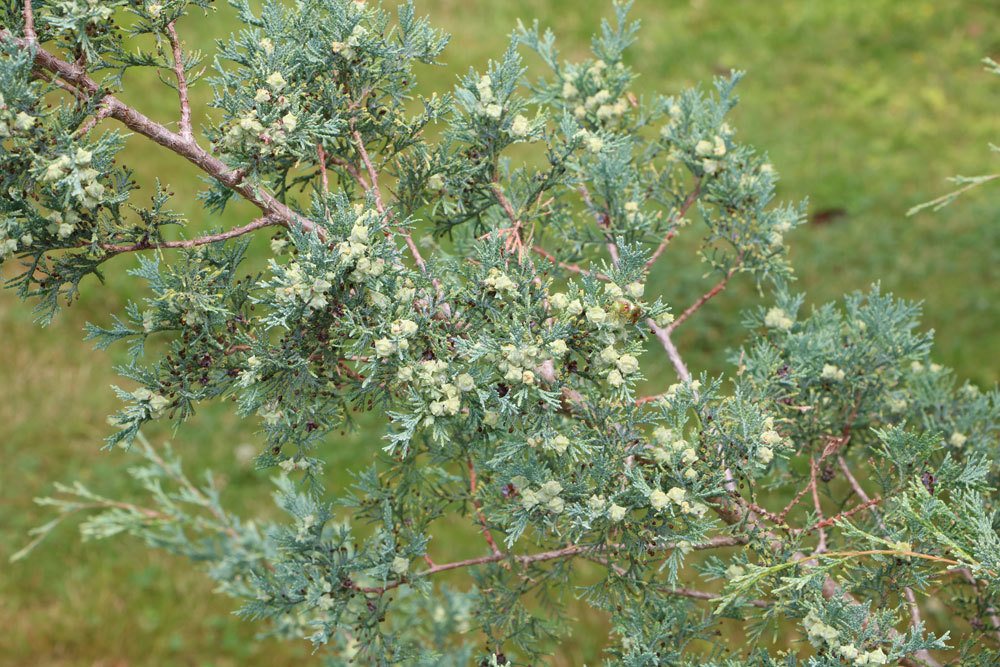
186, 148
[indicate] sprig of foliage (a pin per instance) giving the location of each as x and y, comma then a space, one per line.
965, 183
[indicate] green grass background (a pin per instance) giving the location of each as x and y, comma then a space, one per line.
865, 106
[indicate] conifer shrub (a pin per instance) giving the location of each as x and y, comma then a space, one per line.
472, 265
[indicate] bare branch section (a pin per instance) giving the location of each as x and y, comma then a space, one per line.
479, 510
374, 190
182, 86
672, 352
575, 268
530, 559
702, 300
259, 223
29, 22
681, 212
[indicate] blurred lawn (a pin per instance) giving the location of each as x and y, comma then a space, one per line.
865, 106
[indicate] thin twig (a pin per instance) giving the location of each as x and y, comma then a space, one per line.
182, 85
675, 356
374, 190
575, 268
322, 168
795, 501
479, 510
372, 173
855, 485
681, 591
350, 169
770, 516
704, 595
911, 601
603, 222
681, 212
702, 300
513, 232
821, 547
529, 559
259, 223
860, 507
103, 111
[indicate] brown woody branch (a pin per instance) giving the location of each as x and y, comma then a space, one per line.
702, 300
103, 111
377, 194
479, 510
29, 22
860, 507
259, 223
182, 86
818, 506
672, 352
74, 76
681, 212
513, 232
575, 268
324, 179
350, 169
530, 559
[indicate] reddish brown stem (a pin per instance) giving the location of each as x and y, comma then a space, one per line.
681, 212
350, 169
575, 268
603, 222
186, 148
672, 352
103, 111
529, 559
479, 510
821, 547
514, 240
259, 223
29, 22
377, 194
795, 501
322, 168
754, 507
182, 86
702, 300
843, 515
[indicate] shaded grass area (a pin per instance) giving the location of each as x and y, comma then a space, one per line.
865, 106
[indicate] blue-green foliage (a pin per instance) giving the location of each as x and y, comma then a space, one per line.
837, 477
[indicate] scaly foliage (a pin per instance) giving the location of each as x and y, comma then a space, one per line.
837, 478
